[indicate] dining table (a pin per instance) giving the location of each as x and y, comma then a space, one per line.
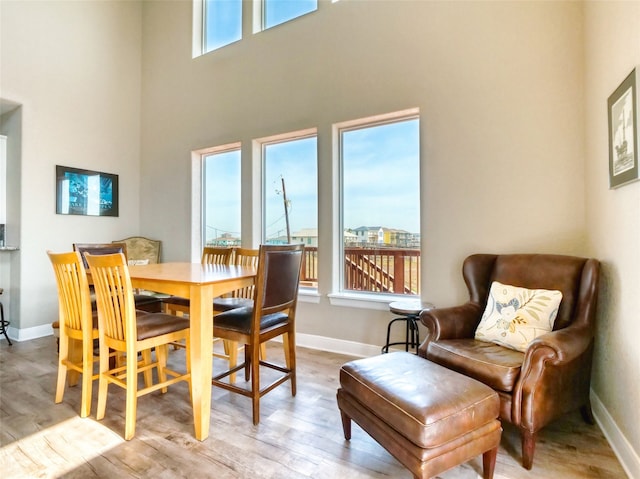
201, 283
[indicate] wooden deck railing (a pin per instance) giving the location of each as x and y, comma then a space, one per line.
375, 269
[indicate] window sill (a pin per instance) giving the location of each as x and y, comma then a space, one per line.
308, 296
365, 301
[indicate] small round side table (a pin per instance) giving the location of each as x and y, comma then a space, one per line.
409, 312
3, 324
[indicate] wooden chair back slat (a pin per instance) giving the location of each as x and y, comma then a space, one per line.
216, 255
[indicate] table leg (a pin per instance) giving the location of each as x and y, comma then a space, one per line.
201, 324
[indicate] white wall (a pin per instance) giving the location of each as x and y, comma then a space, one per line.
499, 87
612, 46
74, 67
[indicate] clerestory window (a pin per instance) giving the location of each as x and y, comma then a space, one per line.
275, 12
222, 23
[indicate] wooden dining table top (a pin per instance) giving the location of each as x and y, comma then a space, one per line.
167, 277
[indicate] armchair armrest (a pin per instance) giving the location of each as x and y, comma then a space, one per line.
555, 376
452, 323
565, 344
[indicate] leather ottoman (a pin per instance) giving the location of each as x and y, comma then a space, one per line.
428, 417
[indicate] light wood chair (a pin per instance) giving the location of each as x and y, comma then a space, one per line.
144, 302
273, 315
216, 255
180, 306
93, 248
210, 255
120, 330
76, 327
240, 298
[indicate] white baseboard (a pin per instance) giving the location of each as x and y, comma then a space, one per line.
25, 334
334, 345
623, 450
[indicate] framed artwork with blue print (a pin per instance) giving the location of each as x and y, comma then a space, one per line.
86, 192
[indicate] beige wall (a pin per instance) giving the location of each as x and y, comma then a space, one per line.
499, 87
612, 46
74, 70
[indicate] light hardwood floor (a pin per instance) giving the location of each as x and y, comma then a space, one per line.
297, 437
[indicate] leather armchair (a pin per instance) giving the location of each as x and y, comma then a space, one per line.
553, 376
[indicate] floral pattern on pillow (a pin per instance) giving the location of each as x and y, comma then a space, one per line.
516, 316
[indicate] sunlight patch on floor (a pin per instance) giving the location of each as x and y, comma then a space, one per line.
48, 450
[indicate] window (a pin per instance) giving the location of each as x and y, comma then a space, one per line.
217, 23
290, 202
275, 12
221, 197
222, 23
380, 217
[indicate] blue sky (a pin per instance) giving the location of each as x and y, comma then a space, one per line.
381, 167
223, 18
296, 162
381, 182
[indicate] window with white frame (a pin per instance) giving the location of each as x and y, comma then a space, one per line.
217, 23
290, 195
222, 23
221, 201
275, 12
380, 204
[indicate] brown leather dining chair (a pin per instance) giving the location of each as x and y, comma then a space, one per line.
537, 381
273, 314
144, 302
239, 298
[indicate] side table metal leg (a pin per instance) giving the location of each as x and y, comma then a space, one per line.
385, 348
4, 324
408, 331
415, 336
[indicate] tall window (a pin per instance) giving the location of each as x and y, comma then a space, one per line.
222, 23
290, 204
380, 179
221, 198
276, 12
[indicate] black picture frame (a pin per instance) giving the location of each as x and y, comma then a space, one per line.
622, 108
86, 192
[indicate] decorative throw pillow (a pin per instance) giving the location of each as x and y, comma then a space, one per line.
516, 316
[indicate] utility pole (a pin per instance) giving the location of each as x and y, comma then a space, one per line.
286, 210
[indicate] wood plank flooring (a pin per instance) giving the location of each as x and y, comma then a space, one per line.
297, 437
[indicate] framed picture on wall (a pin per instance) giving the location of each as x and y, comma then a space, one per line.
622, 108
86, 192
